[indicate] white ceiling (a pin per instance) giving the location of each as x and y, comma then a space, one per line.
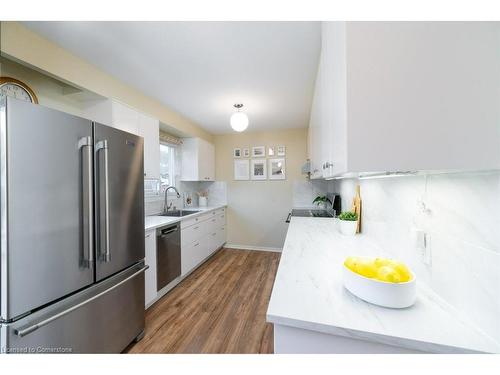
201, 69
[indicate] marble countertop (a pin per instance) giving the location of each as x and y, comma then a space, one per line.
308, 293
155, 221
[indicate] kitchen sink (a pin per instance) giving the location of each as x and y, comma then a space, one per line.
178, 213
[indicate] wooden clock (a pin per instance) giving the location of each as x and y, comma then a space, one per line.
17, 89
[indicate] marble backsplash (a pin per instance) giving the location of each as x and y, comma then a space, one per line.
217, 195
304, 192
461, 213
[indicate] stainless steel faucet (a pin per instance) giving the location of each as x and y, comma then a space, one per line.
166, 206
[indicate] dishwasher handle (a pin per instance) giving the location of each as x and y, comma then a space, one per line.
165, 232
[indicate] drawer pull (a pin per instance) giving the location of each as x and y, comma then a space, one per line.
196, 244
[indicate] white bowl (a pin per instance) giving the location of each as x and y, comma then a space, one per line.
394, 295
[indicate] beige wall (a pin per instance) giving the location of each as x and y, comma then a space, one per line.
257, 209
50, 92
21, 44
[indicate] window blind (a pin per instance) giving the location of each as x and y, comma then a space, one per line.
168, 138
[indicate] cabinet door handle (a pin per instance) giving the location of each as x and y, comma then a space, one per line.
148, 235
196, 244
196, 227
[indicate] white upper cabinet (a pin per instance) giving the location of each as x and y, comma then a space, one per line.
406, 96
120, 116
323, 111
149, 129
125, 118
198, 160
314, 142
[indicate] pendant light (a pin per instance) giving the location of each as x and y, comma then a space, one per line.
239, 120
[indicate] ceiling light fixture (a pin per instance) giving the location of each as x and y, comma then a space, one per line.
239, 120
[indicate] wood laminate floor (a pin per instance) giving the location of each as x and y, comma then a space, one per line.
219, 308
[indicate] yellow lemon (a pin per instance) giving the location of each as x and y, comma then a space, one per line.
388, 274
403, 271
350, 262
380, 262
366, 267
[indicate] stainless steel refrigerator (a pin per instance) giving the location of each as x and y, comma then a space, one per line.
72, 233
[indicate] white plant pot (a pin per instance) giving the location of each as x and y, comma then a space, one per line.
348, 228
203, 201
394, 295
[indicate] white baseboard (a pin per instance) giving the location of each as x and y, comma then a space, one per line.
258, 248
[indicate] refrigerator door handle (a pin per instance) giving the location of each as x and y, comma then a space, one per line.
21, 332
104, 250
85, 144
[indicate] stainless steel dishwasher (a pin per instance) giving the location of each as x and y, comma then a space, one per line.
168, 254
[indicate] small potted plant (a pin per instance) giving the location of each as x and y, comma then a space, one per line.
348, 223
321, 201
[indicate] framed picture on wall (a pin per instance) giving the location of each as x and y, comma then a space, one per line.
277, 170
258, 151
237, 153
241, 169
281, 151
259, 169
246, 152
270, 151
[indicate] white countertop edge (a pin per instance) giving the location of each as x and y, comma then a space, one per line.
156, 221
406, 343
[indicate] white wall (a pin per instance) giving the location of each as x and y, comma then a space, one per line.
464, 223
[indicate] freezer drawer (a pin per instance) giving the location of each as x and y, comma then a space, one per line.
102, 319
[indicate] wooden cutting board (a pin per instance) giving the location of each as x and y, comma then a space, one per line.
356, 207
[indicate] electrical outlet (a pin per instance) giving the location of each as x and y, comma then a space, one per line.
427, 251
422, 243
419, 239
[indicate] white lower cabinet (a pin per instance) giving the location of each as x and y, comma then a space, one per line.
150, 275
201, 238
